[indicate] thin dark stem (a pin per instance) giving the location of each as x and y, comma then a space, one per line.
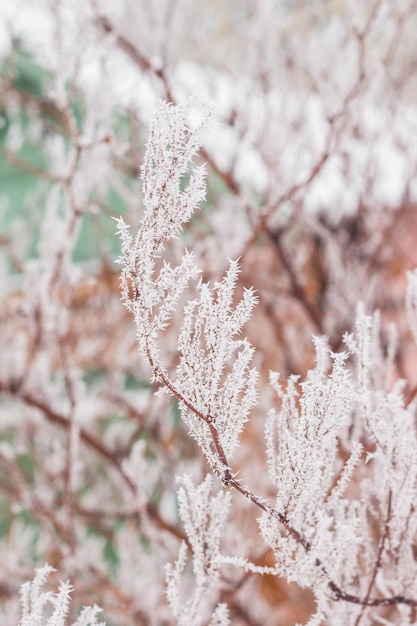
95, 444
145, 65
296, 288
229, 480
377, 564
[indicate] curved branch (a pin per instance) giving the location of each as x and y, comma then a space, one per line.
95, 444
229, 480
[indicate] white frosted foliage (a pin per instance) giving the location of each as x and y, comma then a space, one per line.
289, 180
203, 516
46, 608
214, 372
214, 381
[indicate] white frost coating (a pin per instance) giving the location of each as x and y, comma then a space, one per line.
36, 604
213, 374
203, 516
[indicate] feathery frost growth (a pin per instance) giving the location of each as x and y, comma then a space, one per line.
45, 608
203, 517
302, 445
151, 290
297, 491
339, 423
213, 382
222, 393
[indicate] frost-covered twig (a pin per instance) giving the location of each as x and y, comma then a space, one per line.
216, 389
41, 607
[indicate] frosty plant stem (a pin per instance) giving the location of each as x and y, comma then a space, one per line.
213, 382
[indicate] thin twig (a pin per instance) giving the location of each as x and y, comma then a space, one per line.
229, 480
95, 444
377, 564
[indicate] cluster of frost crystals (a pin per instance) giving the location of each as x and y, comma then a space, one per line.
203, 516
389, 490
150, 288
304, 472
45, 607
207, 344
214, 382
357, 536
302, 447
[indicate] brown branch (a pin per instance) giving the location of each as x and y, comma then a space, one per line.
135, 55
125, 603
377, 564
338, 594
225, 176
25, 166
227, 476
287, 196
229, 481
95, 444
297, 289
19, 489
72, 441
293, 191
145, 65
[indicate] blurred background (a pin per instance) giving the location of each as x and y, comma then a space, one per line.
311, 181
